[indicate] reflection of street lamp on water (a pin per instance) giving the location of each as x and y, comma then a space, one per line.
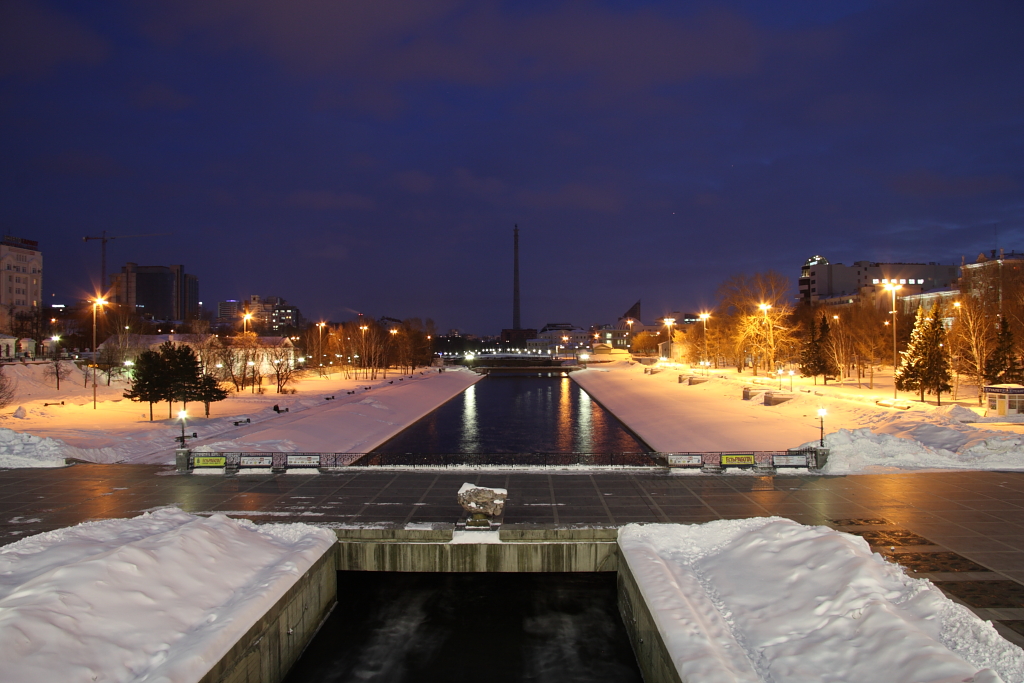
821, 422
892, 287
99, 301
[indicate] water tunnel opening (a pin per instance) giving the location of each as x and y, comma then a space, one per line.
499, 627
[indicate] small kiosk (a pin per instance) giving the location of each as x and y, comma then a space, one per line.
1004, 399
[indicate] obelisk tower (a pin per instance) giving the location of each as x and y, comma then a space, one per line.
516, 322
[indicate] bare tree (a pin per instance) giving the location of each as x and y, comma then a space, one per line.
8, 387
57, 370
973, 338
758, 307
281, 361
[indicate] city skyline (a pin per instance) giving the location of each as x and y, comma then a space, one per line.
354, 159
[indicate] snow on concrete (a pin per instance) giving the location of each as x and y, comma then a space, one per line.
768, 599
160, 597
118, 430
864, 437
27, 450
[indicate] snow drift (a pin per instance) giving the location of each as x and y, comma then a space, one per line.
159, 597
768, 599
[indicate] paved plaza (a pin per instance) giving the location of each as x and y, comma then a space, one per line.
963, 530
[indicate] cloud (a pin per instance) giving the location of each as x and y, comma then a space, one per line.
457, 41
326, 200
79, 163
416, 182
35, 39
925, 184
605, 199
159, 96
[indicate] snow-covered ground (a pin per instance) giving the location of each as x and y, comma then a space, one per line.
863, 437
768, 599
161, 597
118, 430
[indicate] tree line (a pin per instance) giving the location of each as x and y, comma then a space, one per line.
756, 326
173, 374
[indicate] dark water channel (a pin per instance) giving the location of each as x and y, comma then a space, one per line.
518, 414
495, 627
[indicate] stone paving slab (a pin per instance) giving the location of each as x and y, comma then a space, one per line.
978, 515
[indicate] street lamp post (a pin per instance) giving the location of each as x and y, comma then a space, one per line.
320, 348
791, 380
892, 287
181, 416
99, 301
668, 324
362, 354
767, 335
821, 427
704, 319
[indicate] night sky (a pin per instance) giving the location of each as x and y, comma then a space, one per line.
374, 156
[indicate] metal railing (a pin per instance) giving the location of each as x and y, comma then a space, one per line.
811, 458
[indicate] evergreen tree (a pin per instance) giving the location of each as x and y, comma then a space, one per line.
908, 374
1002, 366
182, 374
814, 358
934, 366
208, 390
149, 380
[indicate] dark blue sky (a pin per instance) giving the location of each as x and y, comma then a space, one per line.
373, 156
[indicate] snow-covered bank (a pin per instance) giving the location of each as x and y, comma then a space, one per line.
120, 431
351, 424
771, 600
159, 597
862, 437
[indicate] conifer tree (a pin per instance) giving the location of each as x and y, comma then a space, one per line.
814, 358
934, 367
182, 373
209, 391
149, 380
1002, 366
908, 374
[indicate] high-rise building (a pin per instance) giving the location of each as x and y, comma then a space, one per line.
157, 292
833, 282
228, 310
21, 264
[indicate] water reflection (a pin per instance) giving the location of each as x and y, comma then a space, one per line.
518, 415
469, 443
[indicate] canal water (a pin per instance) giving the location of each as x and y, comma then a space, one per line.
518, 414
394, 627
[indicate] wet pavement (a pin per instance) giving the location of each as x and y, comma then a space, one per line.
979, 516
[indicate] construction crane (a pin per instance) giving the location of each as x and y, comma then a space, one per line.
103, 250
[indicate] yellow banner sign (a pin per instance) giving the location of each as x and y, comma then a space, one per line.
738, 459
209, 461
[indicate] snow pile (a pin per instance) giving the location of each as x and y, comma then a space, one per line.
26, 450
772, 600
158, 597
918, 445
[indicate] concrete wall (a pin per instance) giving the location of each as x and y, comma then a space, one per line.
267, 651
648, 645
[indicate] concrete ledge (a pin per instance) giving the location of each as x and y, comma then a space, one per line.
273, 644
440, 533
584, 556
515, 533
648, 646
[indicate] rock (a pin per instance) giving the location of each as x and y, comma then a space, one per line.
490, 502
20, 412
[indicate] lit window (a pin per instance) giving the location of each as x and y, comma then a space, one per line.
903, 280
874, 281
920, 282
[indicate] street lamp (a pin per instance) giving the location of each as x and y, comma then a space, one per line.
181, 416
704, 319
821, 425
245, 319
791, 380
56, 347
362, 360
320, 348
892, 287
99, 301
668, 324
767, 335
